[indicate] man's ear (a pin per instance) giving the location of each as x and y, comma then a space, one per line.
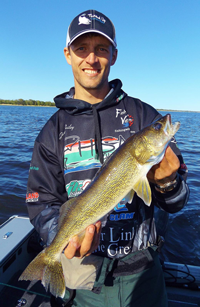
114, 57
67, 55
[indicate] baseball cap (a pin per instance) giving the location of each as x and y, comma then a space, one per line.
91, 21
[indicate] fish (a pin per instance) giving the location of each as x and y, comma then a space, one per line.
123, 174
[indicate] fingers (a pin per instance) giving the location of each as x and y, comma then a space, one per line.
172, 159
88, 245
96, 238
72, 247
91, 239
165, 171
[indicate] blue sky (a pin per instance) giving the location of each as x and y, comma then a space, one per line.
158, 49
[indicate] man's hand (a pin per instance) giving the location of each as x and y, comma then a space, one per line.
165, 171
88, 245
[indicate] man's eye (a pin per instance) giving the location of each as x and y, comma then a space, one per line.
102, 49
80, 49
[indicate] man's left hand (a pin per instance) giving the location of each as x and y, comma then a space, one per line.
165, 171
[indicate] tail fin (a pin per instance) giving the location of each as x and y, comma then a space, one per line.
49, 271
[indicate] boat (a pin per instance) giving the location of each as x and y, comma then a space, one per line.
20, 244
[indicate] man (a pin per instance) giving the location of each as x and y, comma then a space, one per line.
93, 119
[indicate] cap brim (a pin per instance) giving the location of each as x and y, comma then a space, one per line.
90, 31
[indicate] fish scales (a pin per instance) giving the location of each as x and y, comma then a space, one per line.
94, 203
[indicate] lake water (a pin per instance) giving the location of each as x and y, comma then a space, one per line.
21, 125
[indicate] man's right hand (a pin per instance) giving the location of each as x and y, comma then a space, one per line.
88, 245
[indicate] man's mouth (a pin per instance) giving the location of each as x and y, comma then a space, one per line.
91, 71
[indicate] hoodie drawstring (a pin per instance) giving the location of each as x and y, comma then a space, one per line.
98, 144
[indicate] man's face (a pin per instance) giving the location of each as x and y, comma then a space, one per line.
91, 57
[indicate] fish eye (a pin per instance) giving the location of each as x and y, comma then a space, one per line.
157, 126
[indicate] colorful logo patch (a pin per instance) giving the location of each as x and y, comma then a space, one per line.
127, 120
76, 187
32, 197
81, 155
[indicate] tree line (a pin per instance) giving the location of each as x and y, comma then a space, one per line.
30, 102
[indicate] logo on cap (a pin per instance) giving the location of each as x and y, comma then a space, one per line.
83, 20
86, 21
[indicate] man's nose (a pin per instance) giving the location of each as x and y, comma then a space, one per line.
92, 58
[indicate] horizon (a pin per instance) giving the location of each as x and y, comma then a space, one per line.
158, 109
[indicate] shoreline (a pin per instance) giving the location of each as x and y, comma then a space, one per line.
163, 110
185, 111
28, 105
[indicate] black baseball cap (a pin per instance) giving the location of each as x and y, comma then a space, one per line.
91, 21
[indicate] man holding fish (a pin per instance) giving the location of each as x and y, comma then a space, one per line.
112, 262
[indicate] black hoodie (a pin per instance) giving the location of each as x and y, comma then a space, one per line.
72, 147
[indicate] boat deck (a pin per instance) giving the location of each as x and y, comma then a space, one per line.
34, 295
180, 297
32, 292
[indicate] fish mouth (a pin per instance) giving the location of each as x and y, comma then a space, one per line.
169, 118
170, 129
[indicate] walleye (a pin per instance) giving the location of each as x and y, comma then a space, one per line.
121, 175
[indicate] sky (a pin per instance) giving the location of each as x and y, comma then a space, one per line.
158, 45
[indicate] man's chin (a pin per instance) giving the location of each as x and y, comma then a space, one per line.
95, 85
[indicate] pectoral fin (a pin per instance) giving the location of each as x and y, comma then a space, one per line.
143, 190
129, 196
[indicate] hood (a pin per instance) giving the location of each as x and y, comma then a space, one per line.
75, 106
